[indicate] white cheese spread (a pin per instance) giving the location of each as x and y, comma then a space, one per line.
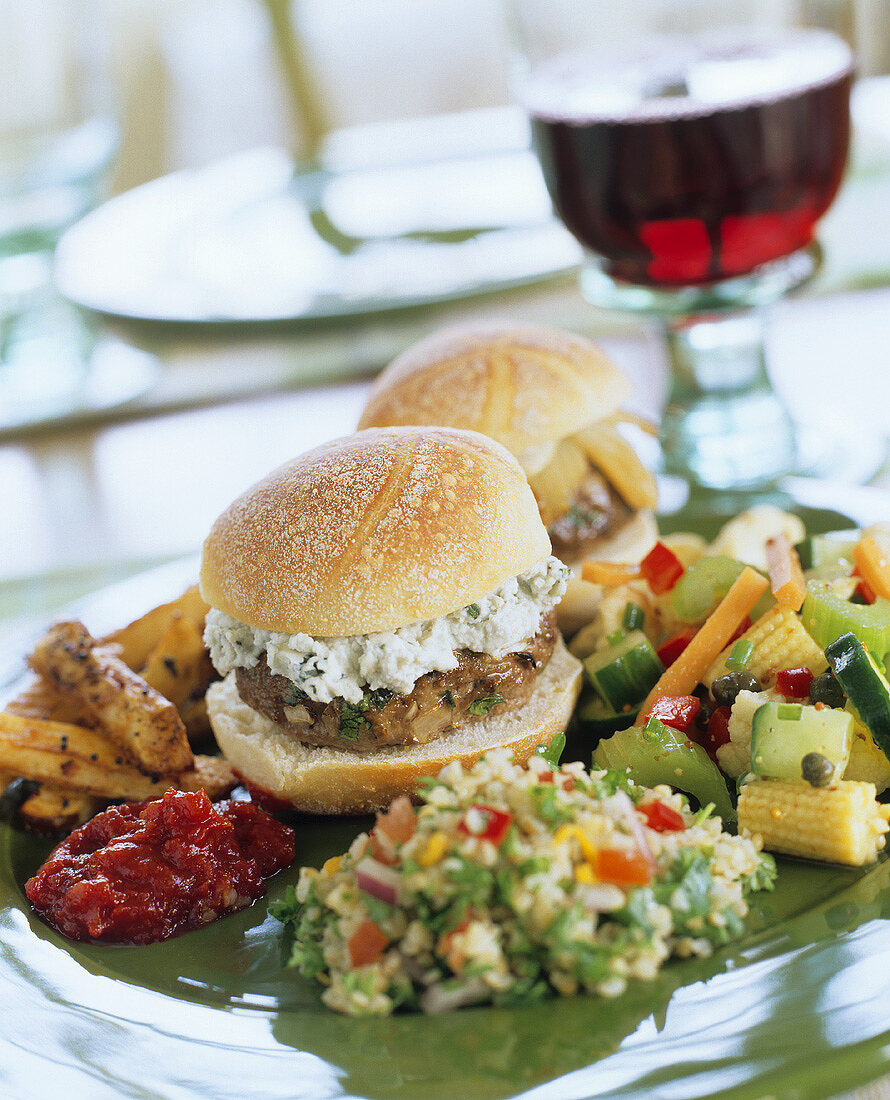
332, 668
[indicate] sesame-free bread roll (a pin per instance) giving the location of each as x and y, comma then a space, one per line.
333, 781
373, 531
523, 385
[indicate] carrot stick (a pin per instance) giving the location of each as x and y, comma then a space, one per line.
684, 675
785, 574
608, 573
873, 565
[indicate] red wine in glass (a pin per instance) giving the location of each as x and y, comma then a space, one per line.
683, 161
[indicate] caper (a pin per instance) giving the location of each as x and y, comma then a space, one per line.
826, 689
726, 688
817, 769
704, 715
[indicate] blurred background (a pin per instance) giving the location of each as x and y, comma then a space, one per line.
298, 191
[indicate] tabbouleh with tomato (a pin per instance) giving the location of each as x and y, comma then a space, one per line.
510, 883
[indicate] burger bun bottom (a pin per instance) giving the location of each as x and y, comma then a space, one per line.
322, 780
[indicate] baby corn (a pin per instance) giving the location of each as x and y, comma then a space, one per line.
840, 824
780, 641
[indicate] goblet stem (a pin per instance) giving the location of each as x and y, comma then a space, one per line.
725, 427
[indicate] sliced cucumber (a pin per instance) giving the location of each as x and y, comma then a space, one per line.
865, 684
827, 616
783, 733
657, 753
624, 673
826, 551
600, 720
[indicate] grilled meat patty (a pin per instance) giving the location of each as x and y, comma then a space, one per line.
438, 703
596, 511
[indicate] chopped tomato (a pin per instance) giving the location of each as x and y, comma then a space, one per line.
672, 647
622, 868
567, 782
366, 944
662, 568
447, 948
399, 821
382, 848
661, 818
794, 682
676, 711
486, 823
717, 733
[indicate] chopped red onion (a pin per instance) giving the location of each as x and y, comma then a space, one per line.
378, 880
628, 814
436, 999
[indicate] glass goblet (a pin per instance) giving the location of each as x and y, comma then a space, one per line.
692, 149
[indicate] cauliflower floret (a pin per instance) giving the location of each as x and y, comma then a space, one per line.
745, 536
734, 757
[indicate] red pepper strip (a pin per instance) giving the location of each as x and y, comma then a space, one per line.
366, 944
863, 589
493, 823
717, 733
794, 683
676, 711
622, 868
661, 818
672, 647
744, 625
662, 568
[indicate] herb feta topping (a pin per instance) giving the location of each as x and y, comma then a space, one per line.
344, 668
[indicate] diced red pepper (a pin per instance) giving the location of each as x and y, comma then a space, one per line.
486, 823
662, 568
717, 733
864, 590
744, 625
672, 647
622, 868
661, 818
366, 944
794, 683
676, 711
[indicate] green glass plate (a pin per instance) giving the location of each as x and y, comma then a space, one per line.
799, 1008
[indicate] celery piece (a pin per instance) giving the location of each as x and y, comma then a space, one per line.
634, 617
656, 753
740, 656
827, 616
703, 586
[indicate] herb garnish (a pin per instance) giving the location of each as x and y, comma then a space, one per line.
352, 715
474, 611
449, 699
583, 517
484, 706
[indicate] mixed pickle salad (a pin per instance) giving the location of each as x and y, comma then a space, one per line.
758, 660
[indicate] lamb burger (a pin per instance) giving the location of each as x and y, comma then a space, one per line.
554, 400
382, 605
